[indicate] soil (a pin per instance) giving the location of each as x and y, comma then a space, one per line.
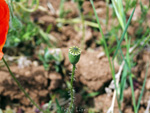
92, 71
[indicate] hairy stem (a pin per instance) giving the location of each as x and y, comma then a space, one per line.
20, 86
72, 90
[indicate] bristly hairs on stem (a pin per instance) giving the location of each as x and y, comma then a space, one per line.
74, 56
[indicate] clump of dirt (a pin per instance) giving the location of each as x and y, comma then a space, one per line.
71, 34
94, 72
36, 81
103, 103
71, 10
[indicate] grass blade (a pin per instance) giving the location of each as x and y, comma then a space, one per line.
124, 32
100, 29
118, 7
61, 9
124, 59
133, 95
59, 109
142, 91
123, 83
104, 41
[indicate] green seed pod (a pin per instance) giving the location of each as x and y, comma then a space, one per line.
74, 54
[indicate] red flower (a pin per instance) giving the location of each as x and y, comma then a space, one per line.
4, 24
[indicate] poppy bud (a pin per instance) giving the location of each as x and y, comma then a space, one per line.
74, 54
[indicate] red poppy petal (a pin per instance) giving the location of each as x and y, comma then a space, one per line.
3, 40
1, 55
4, 24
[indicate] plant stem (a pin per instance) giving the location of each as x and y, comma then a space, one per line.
20, 4
72, 90
76, 21
83, 30
83, 25
61, 9
107, 13
20, 86
104, 41
133, 96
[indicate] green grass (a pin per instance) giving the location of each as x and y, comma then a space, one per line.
118, 7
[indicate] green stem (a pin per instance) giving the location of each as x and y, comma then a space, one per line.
107, 13
83, 30
76, 21
104, 41
130, 77
133, 97
61, 9
27, 9
11, 8
20, 86
71, 89
83, 25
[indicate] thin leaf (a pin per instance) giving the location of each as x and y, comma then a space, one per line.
142, 91
123, 82
61, 9
100, 29
124, 59
124, 32
104, 42
132, 90
59, 109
